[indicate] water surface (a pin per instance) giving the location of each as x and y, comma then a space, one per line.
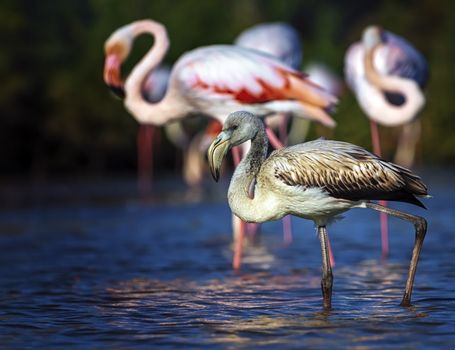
92, 265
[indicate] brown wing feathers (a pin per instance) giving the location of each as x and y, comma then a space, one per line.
346, 171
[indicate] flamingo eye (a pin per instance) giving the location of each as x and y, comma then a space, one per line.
234, 127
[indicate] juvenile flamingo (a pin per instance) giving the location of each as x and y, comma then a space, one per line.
315, 180
214, 80
387, 75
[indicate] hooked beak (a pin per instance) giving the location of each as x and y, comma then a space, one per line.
216, 153
112, 75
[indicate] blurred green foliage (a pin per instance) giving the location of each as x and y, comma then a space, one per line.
57, 117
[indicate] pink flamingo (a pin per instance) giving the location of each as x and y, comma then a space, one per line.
386, 74
214, 80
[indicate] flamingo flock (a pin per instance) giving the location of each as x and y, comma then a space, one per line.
249, 80
250, 88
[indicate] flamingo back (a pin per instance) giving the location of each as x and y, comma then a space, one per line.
243, 75
276, 39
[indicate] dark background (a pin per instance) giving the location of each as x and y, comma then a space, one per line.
58, 119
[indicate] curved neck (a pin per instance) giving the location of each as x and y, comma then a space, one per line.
142, 110
384, 112
245, 198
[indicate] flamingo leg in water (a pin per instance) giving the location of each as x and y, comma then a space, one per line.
287, 229
145, 159
382, 216
407, 143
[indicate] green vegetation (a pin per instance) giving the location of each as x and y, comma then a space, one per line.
57, 117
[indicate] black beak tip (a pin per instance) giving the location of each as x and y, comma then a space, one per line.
118, 91
215, 175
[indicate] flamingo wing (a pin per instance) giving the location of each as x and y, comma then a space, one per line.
155, 84
403, 60
246, 76
345, 171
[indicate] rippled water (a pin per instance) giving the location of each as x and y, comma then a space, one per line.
92, 266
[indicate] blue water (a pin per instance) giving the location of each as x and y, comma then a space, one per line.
93, 265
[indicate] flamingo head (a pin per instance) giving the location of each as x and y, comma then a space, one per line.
372, 36
117, 48
238, 128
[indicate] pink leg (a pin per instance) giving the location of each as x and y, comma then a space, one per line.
274, 141
382, 216
287, 230
239, 235
145, 160
252, 229
331, 257
283, 129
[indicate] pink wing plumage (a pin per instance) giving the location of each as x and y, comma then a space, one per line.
246, 76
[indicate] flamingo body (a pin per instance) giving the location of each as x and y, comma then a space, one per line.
214, 80
392, 57
316, 180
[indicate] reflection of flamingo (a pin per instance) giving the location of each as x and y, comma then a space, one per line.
316, 180
213, 80
386, 74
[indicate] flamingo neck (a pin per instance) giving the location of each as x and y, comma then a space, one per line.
144, 111
245, 197
381, 110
